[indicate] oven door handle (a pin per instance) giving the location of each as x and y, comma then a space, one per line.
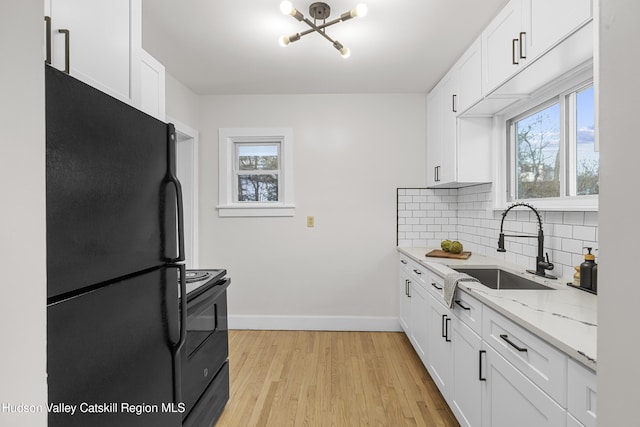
175, 348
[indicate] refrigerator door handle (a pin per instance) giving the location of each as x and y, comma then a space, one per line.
176, 347
171, 175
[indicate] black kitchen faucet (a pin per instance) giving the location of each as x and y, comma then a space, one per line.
542, 264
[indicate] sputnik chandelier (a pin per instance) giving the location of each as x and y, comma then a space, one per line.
320, 12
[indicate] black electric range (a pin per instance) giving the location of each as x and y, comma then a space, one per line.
200, 280
204, 355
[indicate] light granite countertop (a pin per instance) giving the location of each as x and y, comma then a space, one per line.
564, 317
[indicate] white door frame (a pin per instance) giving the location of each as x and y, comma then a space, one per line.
188, 135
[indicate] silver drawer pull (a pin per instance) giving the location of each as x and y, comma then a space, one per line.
511, 343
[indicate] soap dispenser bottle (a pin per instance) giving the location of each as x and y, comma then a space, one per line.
586, 270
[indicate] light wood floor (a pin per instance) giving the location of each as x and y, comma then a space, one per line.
313, 378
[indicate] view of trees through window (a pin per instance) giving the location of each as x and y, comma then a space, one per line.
537, 154
258, 172
587, 158
540, 141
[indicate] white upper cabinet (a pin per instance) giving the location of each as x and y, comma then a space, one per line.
550, 21
501, 53
469, 77
458, 148
526, 29
152, 89
100, 43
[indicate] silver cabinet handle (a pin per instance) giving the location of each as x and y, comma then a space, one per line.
47, 21
514, 42
66, 49
453, 103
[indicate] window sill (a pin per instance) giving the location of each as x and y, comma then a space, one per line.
256, 210
578, 204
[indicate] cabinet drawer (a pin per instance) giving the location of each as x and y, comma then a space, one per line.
404, 263
435, 285
418, 273
581, 393
542, 363
469, 310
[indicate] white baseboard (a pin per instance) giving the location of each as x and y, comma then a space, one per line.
315, 323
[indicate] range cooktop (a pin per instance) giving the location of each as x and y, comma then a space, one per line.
197, 279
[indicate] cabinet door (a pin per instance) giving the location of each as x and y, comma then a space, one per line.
572, 422
500, 53
440, 348
581, 390
405, 301
447, 171
509, 398
469, 70
550, 21
101, 36
419, 319
152, 86
434, 136
467, 387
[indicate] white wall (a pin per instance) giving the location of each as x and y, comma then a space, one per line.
181, 103
351, 152
619, 290
22, 213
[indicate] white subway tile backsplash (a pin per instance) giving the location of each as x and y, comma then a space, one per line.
428, 216
575, 218
584, 233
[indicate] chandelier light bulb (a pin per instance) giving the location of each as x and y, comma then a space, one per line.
345, 52
283, 40
361, 10
286, 7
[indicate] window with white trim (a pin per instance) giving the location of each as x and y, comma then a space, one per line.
256, 172
551, 153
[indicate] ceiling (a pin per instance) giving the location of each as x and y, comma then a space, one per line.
231, 46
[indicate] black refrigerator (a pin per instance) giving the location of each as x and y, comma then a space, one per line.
115, 323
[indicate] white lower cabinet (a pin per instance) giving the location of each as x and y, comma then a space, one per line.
582, 393
419, 334
510, 399
491, 371
466, 403
405, 301
572, 422
440, 346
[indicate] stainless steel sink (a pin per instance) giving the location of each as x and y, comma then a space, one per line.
496, 278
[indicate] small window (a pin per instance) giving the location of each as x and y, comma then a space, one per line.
552, 149
257, 168
256, 172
